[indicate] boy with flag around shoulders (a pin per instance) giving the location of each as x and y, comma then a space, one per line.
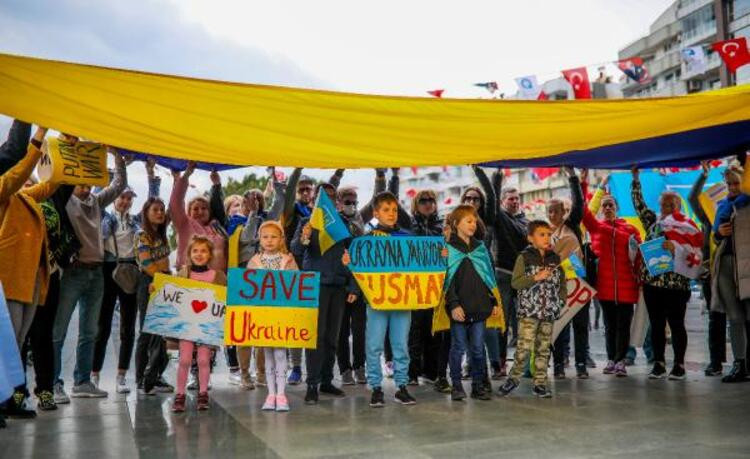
471, 297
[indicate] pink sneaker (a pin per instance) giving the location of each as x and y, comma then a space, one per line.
620, 370
610, 368
270, 404
282, 404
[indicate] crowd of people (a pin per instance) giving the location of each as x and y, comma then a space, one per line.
67, 247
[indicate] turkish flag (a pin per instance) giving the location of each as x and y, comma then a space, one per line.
579, 79
542, 96
544, 172
734, 52
436, 93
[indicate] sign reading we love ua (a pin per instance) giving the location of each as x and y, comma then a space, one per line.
186, 309
271, 308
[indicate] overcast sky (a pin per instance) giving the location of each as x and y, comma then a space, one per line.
385, 47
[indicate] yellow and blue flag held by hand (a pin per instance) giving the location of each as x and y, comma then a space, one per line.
331, 228
573, 267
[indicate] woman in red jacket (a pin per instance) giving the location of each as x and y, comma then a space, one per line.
616, 284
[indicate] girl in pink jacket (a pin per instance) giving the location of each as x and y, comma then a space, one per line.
195, 220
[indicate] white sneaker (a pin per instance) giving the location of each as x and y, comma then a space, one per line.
95, 380
87, 390
60, 396
192, 382
121, 385
235, 378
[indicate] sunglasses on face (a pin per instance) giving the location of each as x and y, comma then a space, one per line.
304, 189
608, 204
348, 202
426, 201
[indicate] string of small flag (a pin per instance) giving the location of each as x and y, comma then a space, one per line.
734, 53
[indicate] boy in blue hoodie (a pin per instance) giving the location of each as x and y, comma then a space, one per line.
397, 323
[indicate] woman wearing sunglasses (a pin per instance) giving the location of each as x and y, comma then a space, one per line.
428, 353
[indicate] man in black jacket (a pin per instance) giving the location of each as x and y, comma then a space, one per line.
337, 287
510, 239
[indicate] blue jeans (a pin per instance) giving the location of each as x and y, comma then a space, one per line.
397, 323
84, 287
467, 336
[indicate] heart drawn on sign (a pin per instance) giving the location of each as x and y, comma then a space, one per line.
198, 306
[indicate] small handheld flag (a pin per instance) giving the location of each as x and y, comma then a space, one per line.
573, 267
328, 222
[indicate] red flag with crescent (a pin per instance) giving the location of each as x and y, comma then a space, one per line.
734, 52
579, 80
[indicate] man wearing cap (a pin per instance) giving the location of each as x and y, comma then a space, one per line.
299, 206
118, 233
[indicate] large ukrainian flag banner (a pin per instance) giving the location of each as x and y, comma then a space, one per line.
243, 124
400, 272
328, 222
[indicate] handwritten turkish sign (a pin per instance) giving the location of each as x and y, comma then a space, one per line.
399, 273
186, 309
579, 294
270, 308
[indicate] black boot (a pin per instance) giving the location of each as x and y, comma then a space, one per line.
311, 397
479, 392
15, 407
738, 373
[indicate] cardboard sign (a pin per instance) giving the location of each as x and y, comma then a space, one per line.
84, 163
186, 309
710, 198
579, 293
399, 273
270, 308
658, 260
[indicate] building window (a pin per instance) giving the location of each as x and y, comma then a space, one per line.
699, 22
739, 8
743, 73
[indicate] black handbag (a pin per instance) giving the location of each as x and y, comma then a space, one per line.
125, 273
591, 262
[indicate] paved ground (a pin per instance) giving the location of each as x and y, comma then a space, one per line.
599, 417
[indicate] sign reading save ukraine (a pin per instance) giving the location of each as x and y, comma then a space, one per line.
400, 272
272, 308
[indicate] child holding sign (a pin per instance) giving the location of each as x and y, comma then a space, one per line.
396, 322
274, 255
542, 293
200, 253
469, 299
